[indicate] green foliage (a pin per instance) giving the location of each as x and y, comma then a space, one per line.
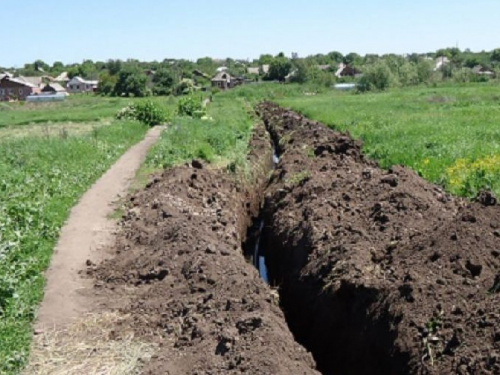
447, 134
41, 178
107, 84
376, 77
191, 106
184, 87
147, 112
279, 68
131, 81
164, 81
223, 140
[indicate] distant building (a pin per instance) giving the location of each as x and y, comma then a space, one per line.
63, 77
345, 70
79, 85
223, 80
53, 88
441, 61
37, 81
253, 70
265, 68
482, 71
16, 89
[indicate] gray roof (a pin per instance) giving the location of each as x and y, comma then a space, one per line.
222, 76
37, 81
56, 87
20, 81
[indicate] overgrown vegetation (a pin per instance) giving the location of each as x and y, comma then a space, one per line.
221, 139
147, 112
448, 134
41, 178
191, 106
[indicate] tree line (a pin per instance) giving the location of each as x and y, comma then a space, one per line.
180, 76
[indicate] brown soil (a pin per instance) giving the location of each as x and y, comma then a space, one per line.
379, 271
179, 271
84, 237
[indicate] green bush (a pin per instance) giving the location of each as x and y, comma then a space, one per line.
191, 106
376, 77
147, 112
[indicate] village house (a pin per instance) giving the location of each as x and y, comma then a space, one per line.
482, 71
16, 89
54, 88
223, 80
79, 85
440, 62
345, 70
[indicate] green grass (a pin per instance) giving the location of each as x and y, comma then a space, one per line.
223, 140
75, 109
450, 134
42, 175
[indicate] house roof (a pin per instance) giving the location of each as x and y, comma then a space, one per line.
222, 76
323, 67
253, 70
84, 81
36, 81
56, 87
19, 81
62, 77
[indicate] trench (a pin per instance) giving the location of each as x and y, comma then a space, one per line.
339, 329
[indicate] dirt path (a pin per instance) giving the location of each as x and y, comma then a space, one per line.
87, 230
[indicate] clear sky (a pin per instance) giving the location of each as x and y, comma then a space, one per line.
70, 31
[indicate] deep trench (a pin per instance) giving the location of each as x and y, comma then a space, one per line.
341, 330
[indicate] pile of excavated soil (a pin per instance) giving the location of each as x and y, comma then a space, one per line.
180, 273
380, 272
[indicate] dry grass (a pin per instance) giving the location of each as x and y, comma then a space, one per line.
96, 344
61, 130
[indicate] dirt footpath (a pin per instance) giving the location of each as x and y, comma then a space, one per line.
179, 272
380, 272
85, 234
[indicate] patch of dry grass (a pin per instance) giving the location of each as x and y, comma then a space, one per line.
49, 130
96, 344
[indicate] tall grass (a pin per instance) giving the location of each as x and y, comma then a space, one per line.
442, 133
41, 178
222, 139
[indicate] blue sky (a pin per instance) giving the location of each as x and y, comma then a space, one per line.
70, 31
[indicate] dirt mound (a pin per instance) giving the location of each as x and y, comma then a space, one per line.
180, 272
379, 271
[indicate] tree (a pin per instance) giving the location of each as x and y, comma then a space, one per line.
107, 83
131, 81
279, 68
164, 81
352, 59
335, 57
495, 56
377, 76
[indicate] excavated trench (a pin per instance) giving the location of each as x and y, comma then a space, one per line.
378, 272
337, 331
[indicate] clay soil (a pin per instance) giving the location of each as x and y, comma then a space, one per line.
180, 273
379, 271
372, 271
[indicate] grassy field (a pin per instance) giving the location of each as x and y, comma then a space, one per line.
50, 154
450, 134
221, 140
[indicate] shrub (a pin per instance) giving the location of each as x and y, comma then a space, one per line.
147, 112
191, 106
376, 77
